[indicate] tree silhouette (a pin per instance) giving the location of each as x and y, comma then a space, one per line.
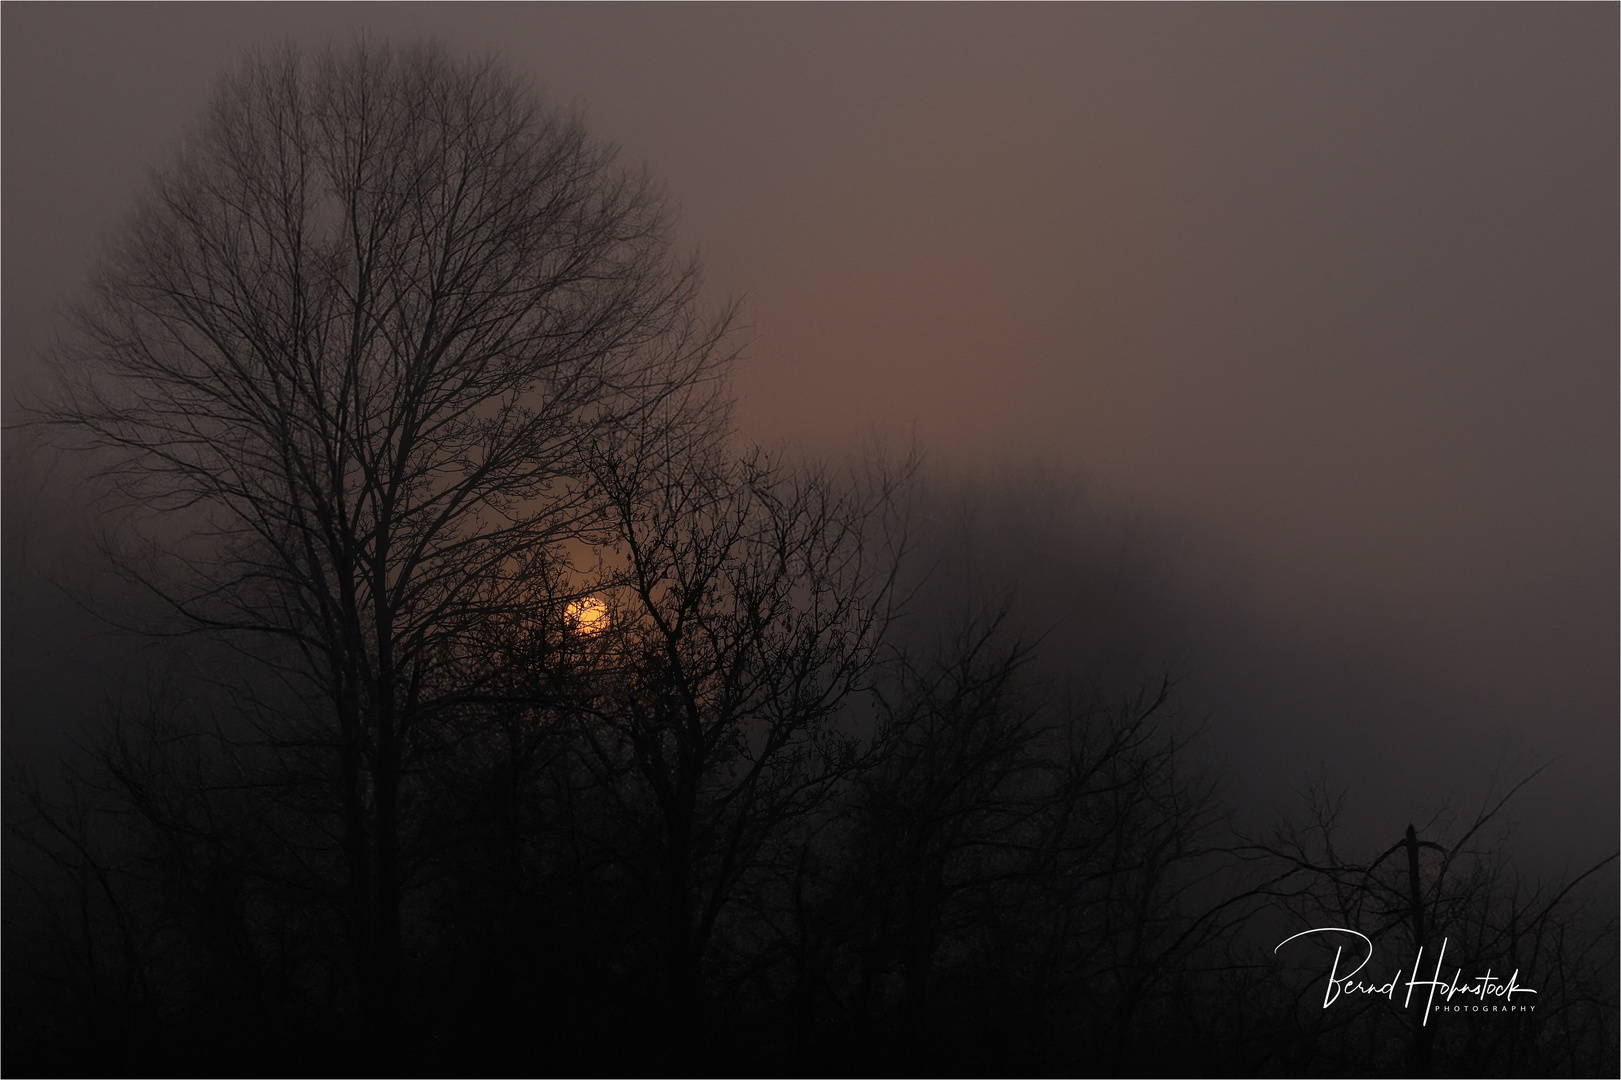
747, 602
1455, 891
351, 357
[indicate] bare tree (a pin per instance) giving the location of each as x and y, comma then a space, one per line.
747, 602
347, 362
1017, 847
1446, 888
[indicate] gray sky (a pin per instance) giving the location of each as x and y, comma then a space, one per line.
1326, 294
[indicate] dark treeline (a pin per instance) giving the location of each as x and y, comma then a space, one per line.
516, 721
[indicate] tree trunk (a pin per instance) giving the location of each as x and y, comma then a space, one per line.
384, 959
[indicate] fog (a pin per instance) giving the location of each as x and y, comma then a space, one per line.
1301, 319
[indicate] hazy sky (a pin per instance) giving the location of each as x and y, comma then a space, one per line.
1327, 293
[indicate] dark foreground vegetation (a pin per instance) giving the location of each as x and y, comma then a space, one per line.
517, 721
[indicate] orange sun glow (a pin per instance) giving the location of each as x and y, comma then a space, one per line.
587, 615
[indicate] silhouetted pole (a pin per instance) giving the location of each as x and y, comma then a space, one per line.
1412, 884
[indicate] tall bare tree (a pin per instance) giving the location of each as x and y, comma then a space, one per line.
747, 603
348, 359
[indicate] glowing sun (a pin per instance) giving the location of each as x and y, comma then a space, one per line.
587, 615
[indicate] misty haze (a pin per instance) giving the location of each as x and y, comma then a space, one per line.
811, 540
